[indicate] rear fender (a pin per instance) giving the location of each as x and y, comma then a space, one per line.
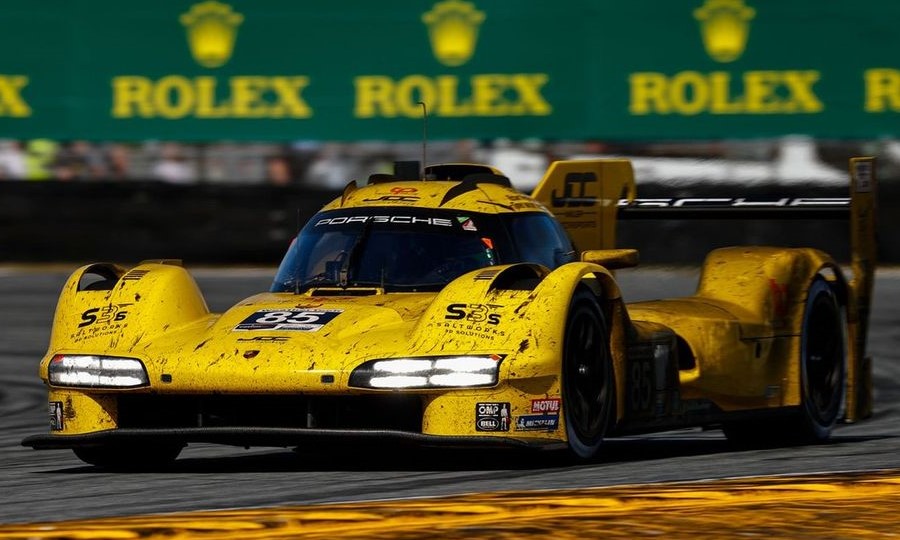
770, 286
767, 285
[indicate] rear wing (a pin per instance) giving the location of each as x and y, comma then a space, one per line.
588, 197
585, 196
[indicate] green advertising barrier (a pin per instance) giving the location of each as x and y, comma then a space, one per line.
357, 70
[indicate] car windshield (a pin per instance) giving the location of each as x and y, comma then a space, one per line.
397, 249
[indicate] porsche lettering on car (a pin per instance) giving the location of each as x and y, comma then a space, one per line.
450, 309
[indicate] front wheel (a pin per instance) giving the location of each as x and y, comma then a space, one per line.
587, 376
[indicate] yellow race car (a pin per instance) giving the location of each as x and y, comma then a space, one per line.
444, 307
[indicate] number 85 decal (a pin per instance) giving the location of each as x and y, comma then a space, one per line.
304, 320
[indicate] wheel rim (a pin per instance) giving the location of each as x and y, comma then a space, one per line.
587, 381
823, 366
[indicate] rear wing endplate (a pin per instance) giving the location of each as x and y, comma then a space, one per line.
864, 246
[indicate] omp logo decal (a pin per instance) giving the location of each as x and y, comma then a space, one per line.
453, 31
492, 416
724, 27
211, 32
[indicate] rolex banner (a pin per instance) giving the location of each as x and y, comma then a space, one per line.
362, 70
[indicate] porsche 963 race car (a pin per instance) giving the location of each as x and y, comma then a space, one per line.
446, 308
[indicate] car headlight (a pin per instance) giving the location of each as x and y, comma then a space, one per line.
95, 371
435, 372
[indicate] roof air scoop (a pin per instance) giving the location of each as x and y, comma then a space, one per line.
457, 171
407, 170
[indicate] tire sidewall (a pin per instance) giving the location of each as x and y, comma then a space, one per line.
820, 428
581, 301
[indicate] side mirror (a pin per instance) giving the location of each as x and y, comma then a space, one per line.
611, 259
561, 257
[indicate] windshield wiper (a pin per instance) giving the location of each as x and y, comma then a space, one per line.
354, 254
306, 283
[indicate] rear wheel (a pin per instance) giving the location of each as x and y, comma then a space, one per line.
822, 360
587, 381
822, 352
129, 456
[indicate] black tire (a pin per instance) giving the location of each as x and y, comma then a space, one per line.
822, 355
822, 366
129, 457
587, 376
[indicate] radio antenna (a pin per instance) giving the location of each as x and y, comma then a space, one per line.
424, 137
294, 245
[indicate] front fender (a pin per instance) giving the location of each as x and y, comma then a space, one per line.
481, 311
122, 309
520, 311
553, 297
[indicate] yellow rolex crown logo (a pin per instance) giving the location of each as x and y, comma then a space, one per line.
724, 27
211, 32
453, 30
